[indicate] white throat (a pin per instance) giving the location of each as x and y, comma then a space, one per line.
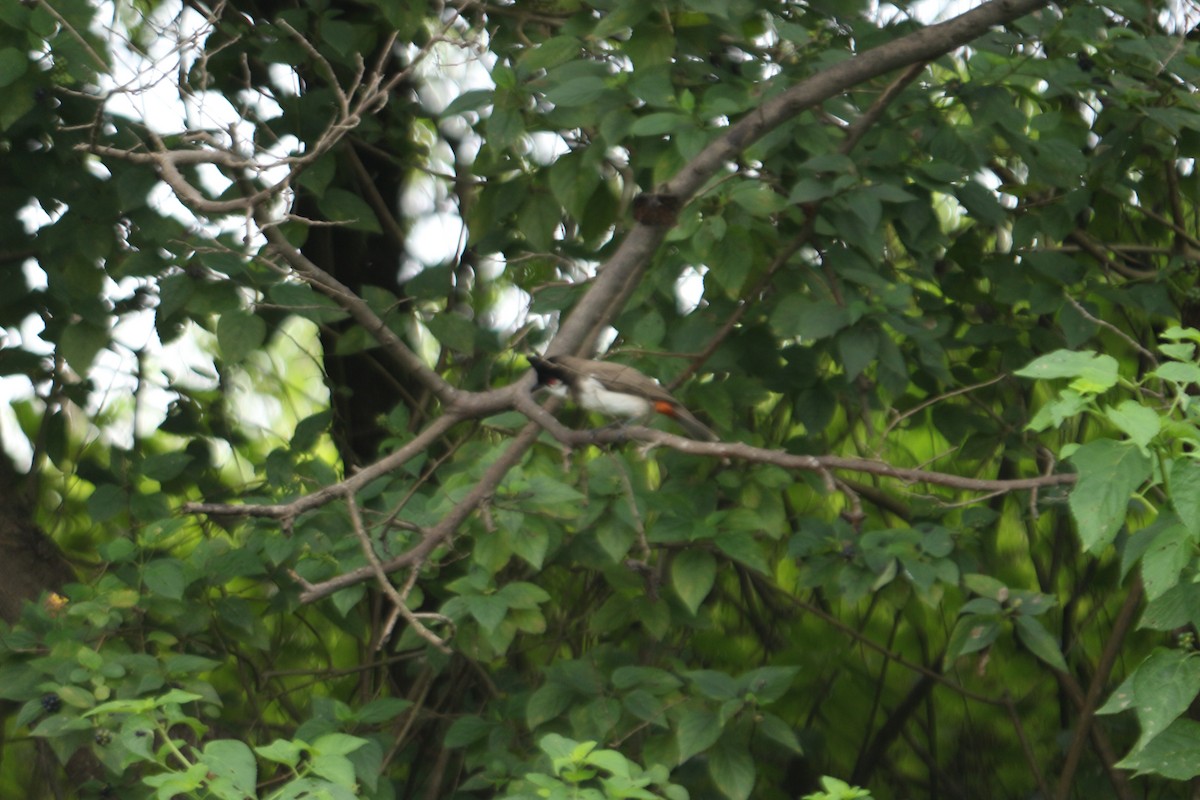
592, 395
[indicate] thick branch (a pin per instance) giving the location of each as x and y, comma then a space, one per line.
620, 274
820, 464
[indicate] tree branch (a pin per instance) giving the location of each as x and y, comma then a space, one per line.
618, 277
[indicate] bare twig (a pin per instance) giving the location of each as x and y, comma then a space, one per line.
1088, 704
399, 606
1113, 328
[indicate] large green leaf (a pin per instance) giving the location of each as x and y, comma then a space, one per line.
1109, 473
692, 575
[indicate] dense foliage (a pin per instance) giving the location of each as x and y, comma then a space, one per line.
269, 293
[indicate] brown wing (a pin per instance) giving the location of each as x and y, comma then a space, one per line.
618, 378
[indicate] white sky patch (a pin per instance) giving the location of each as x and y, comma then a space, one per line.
436, 238
510, 311
689, 289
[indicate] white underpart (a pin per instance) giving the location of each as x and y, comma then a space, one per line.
594, 397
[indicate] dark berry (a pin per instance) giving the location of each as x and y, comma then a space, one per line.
51, 702
104, 737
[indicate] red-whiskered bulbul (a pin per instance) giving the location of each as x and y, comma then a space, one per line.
615, 390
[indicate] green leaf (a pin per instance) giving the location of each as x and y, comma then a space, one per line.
1034, 635
530, 543
610, 761
659, 123
757, 198
504, 128
300, 299
1176, 333
551, 53
179, 696
466, 731
779, 732
1178, 372
1174, 753
13, 64
981, 202
80, 343
580, 91
550, 491
622, 17
1184, 486
731, 768
857, 347
1121, 699
523, 595
972, 633
547, 703
1164, 686
1139, 423
572, 180
337, 744
985, 585
796, 316
166, 466
106, 502
347, 208
558, 747
742, 546
1057, 411
309, 430
1093, 372
1169, 553
282, 751
382, 710
697, 730
472, 100
866, 206
538, 219
16, 102
807, 190
175, 784
431, 283
1109, 473
487, 610
692, 575
768, 684
232, 770
165, 577
1183, 351
454, 331
334, 768
240, 333
713, 684
654, 680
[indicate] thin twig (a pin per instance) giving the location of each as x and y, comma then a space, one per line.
399, 606
1113, 328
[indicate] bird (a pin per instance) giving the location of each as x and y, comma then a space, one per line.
615, 390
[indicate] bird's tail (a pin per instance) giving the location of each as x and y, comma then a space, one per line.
692, 426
